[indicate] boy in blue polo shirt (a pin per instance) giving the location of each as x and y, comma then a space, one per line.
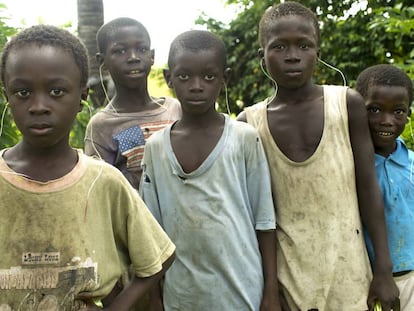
388, 93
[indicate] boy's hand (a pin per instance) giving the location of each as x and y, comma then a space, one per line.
89, 304
270, 303
283, 303
91, 308
384, 289
156, 305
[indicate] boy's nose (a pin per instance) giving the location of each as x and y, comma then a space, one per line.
133, 56
39, 105
196, 85
387, 119
292, 55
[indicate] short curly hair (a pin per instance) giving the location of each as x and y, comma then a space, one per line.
383, 75
288, 8
197, 40
112, 26
48, 35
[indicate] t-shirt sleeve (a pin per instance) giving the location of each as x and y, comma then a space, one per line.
137, 234
147, 188
149, 246
96, 140
259, 184
91, 138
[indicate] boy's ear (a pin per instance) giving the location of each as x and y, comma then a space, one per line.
152, 56
5, 94
318, 53
409, 115
99, 58
260, 53
84, 97
167, 77
226, 75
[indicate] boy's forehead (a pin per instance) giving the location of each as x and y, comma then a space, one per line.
45, 57
293, 23
130, 31
394, 93
182, 55
35, 50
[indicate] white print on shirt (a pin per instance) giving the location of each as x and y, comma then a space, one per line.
39, 278
40, 258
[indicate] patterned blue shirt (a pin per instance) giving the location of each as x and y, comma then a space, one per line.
396, 180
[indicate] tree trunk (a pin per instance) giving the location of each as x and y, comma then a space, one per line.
90, 18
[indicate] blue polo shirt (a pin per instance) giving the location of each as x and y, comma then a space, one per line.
396, 180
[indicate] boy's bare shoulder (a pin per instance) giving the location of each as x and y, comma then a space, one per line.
245, 131
353, 98
252, 109
242, 116
172, 105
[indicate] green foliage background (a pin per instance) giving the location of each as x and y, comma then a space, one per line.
352, 39
9, 133
381, 32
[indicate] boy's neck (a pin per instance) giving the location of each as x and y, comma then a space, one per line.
132, 100
129, 104
387, 150
41, 164
302, 94
211, 118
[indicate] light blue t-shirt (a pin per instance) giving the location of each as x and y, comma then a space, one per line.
212, 215
396, 179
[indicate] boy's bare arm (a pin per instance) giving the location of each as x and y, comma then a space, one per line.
370, 201
156, 300
267, 245
130, 295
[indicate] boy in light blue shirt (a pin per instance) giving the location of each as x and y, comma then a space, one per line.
388, 93
206, 180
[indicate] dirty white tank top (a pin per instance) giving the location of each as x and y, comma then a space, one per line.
321, 255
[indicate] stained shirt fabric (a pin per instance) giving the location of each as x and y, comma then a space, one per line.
212, 215
396, 180
77, 233
119, 137
321, 256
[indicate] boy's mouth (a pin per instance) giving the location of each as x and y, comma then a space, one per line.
39, 126
135, 71
293, 73
386, 134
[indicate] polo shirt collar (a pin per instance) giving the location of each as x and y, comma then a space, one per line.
399, 156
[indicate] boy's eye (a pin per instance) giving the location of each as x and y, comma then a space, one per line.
56, 92
278, 46
304, 46
143, 49
183, 77
373, 109
22, 93
400, 111
209, 77
119, 51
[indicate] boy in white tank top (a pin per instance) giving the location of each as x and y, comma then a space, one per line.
321, 159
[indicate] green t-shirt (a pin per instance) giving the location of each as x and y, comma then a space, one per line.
78, 233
